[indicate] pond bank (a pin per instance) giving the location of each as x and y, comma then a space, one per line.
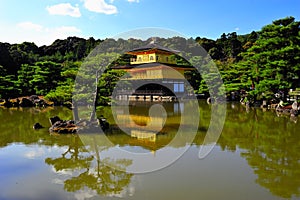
26, 101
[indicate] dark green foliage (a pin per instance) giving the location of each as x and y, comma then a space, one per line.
7, 87
12, 56
106, 85
46, 77
63, 92
71, 49
261, 63
273, 61
6, 59
28, 69
194, 78
229, 46
25, 75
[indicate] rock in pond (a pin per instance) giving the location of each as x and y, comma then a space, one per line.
69, 126
37, 126
62, 126
103, 123
54, 119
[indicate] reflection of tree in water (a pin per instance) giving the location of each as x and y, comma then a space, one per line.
272, 149
75, 157
93, 173
16, 124
280, 174
105, 180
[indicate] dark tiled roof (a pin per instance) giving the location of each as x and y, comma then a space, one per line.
155, 64
154, 45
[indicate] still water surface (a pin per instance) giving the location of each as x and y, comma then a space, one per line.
256, 157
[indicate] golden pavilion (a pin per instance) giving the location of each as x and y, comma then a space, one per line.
155, 74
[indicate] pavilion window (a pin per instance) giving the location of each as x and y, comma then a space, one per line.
181, 87
178, 87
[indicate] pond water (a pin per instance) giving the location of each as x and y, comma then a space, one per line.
256, 157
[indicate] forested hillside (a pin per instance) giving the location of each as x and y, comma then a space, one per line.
261, 63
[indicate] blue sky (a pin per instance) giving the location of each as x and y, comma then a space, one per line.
43, 21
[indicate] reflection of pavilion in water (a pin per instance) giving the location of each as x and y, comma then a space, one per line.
144, 127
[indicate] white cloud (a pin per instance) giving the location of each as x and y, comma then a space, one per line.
58, 181
100, 6
63, 172
64, 9
30, 26
130, 1
237, 29
34, 154
63, 30
40, 35
82, 195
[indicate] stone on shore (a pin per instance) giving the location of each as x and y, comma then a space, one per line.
26, 102
30, 101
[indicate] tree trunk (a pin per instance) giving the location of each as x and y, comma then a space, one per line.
75, 112
93, 114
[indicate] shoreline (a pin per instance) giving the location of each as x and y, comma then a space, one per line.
26, 101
